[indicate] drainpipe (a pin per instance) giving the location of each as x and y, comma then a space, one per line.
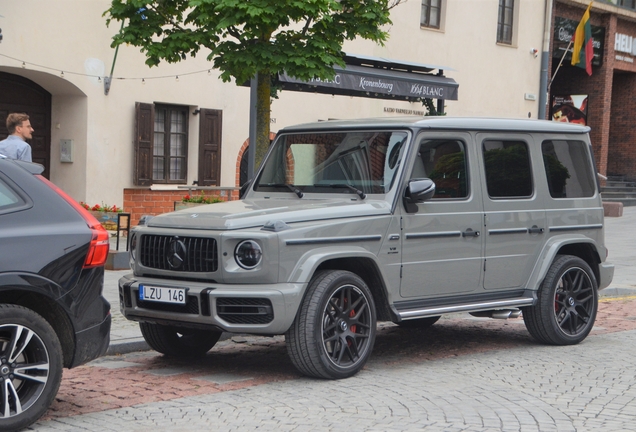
545, 60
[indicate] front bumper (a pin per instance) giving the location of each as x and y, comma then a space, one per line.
606, 274
267, 309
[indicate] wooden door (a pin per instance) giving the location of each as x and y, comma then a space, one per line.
18, 94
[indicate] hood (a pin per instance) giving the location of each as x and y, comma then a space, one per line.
257, 212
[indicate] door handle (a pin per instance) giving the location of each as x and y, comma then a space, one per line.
470, 233
535, 230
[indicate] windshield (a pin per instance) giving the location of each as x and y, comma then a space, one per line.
355, 162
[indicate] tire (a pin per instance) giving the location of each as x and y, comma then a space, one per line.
420, 323
334, 331
178, 341
30, 366
567, 303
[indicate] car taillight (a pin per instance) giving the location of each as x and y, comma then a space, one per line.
100, 244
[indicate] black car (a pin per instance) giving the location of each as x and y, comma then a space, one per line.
52, 312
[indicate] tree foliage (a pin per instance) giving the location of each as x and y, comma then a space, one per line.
244, 38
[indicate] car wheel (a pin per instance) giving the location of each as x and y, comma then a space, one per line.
177, 341
30, 366
420, 323
566, 305
333, 334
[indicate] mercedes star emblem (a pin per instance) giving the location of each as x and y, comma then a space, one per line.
176, 253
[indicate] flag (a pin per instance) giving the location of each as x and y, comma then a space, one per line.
583, 51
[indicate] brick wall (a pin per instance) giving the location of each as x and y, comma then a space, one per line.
143, 201
611, 90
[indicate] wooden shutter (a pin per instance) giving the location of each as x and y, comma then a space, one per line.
210, 147
144, 132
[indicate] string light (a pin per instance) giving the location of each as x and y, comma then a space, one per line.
177, 78
143, 81
63, 74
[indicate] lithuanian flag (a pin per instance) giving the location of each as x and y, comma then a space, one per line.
583, 51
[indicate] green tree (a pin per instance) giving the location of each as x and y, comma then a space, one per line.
246, 38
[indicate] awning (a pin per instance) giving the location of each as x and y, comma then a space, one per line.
380, 78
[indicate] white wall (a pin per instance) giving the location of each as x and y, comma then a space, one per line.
71, 35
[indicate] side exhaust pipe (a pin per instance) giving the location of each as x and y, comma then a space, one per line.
498, 314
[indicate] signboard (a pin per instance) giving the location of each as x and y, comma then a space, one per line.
625, 47
378, 83
569, 109
563, 32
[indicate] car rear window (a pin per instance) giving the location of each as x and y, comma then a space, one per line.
568, 168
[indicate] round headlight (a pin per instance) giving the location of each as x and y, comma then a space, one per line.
248, 254
133, 247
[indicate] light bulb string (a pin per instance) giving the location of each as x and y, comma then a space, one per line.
24, 64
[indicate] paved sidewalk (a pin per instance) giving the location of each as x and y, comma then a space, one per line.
125, 335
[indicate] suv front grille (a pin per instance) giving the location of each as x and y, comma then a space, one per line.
176, 253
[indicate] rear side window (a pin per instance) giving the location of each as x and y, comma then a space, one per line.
568, 169
508, 169
8, 198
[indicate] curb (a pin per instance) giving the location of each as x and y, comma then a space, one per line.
139, 344
119, 348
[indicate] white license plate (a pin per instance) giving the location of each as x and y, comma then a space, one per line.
162, 294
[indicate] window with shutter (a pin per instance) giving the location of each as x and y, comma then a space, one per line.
161, 144
210, 123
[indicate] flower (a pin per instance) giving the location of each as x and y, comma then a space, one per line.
200, 199
102, 207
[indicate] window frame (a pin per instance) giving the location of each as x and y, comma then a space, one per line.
167, 155
425, 18
503, 22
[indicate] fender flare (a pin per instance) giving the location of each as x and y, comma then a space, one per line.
550, 251
308, 263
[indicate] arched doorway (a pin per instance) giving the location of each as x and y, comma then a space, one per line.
18, 94
243, 161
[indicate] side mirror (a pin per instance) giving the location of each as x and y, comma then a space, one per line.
417, 191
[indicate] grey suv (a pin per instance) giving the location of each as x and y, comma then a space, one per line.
402, 220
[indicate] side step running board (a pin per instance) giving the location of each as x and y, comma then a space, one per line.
468, 307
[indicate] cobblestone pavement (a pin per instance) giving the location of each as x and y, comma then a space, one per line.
463, 374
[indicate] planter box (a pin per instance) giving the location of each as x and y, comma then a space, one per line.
107, 219
178, 205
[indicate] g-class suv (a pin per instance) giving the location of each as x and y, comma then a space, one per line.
402, 220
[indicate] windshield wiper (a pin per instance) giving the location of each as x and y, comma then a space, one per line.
361, 194
292, 188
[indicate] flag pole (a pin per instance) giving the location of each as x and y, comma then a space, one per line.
560, 63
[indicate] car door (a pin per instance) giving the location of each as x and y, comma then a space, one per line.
515, 219
442, 243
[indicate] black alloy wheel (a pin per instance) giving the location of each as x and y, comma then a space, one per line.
30, 366
334, 332
567, 303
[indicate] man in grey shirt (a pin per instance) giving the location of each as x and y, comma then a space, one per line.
20, 130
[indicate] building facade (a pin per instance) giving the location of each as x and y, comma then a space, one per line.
608, 94
138, 139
